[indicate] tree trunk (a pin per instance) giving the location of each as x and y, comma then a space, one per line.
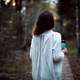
18, 4
77, 28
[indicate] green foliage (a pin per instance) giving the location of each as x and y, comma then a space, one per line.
72, 48
70, 29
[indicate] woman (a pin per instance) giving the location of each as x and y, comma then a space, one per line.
45, 52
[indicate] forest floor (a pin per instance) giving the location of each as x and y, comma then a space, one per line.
75, 66
74, 59
67, 71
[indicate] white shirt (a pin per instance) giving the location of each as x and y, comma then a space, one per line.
45, 49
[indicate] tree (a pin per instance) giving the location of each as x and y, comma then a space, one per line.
70, 10
18, 4
67, 8
77, 26
2, 3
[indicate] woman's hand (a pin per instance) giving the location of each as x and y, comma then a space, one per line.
65, 51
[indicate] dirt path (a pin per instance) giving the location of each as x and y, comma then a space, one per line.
67, 72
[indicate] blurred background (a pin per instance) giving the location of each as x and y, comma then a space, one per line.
16, 21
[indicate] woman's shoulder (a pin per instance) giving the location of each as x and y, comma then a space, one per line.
48, 34
53, 34
56, 34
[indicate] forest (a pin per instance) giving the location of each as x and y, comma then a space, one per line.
17, 18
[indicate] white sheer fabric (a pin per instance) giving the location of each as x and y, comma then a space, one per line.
47, 56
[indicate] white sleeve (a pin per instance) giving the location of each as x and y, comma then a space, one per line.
56, 50
32, 47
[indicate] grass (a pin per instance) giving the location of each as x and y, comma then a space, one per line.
71, 44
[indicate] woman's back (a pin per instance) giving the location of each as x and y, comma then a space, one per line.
42, 54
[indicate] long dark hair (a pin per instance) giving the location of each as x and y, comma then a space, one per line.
44, 23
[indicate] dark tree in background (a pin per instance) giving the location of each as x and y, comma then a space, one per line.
79, 23
2, 2
66, 10
18, 4
70, 11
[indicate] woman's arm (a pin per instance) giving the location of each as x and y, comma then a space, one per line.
58, 55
